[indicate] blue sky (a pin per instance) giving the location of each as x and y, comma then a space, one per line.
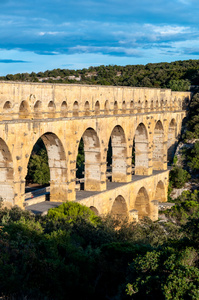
42, 35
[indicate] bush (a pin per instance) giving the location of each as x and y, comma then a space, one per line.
178, 176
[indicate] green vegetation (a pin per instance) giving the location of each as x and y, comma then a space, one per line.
178, 75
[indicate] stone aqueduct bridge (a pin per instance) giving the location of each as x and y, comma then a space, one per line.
63, 114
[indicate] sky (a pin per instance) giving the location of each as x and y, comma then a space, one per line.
43, 35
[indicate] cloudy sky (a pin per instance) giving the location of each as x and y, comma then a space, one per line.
42, 35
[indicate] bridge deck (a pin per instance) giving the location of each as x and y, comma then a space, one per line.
43, 207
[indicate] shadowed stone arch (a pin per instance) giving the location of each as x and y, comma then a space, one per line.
152, 105
115, 108
139, 107
131, 107
51, 106
158, 146
141, 150
97, 108
94, 209
38, 106
7, 106
162, 105
119, 154
119, 208
157, 105
64, 109
6, 174
160, 192
146, 106
92, 160
75, 109
57, 165
24, 109
106, 107
87, 108
171, 143
142, 203
123, 107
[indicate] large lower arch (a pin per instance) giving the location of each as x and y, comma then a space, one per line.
119, 208
142, 203
160, 194
171, 143
141, 151
92, 161
158, 147
119, 155
6, 174
58, 167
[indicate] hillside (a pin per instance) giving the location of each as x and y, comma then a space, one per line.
178, 75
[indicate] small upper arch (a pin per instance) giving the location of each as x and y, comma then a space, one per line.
75, 109
38, 106
7, 105
51, 106
97, 108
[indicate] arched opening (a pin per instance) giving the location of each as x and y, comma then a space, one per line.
7, 106
131, 107
152, 106
89, 149
38, 109
142, 203
117, 165
123, 107
94, 209
160, 192
24, 109
38, 106
141, 150
162, 105
158, 147
146, 106
75, 109
6, 175
106, 108
87, 108
47, 165
119, 209
51, 109
64, 109
157, 105
115, 108
166, 105
97, 108
171, 143
139, 107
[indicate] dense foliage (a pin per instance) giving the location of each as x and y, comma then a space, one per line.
178, 75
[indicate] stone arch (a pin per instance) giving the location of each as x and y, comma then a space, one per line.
75, 109
7, 106
92, 160
115, 108
51, 106
158, 146
160, 192
94, 209
171, 142
139, 107
123, 107
119, 208
141, 150
131, 106
152, 106
119, 154
24, 109
106, 107
157, 105
64, 108
38, 106
57, 165
97, 108
6, 174
162, 105
146, 106
142, 204
87, 108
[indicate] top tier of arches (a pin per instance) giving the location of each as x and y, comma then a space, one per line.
19, 100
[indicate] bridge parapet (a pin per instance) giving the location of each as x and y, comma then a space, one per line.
38, 101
